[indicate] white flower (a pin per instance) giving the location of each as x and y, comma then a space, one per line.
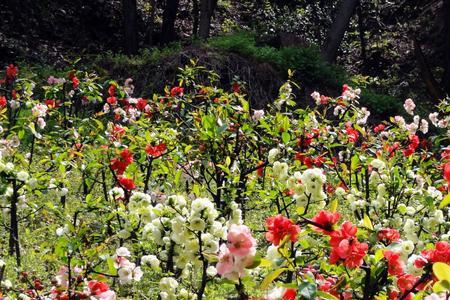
434, 118
424, 126
125, 274
316, 96
258, 114
197, 224
41, 123
117, 193
151, 260
39, 110
7, 284
409, 106
168, 285
275, 294
272, 155
378, 164
123, 251
407, 247
2, 263
211, 271
280, 170
23, 176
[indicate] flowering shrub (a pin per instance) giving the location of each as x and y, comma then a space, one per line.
193, 194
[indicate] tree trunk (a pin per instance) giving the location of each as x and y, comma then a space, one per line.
361, 30
195, 15
207, 8
427, 76
338, 28
446, 80
168, 25
151, 23
130, 25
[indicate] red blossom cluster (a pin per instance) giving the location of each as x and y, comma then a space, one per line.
388, 235
177, 91
441, 253
156, 151
119, 164
279, 227
345, 246
352, 134
414, 142
325, 221
127, 183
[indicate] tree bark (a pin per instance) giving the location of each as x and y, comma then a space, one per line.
195, 16
361, 31
168, 25
207, 8
151, 23
129, 10
338, 29
432, 86
446, 79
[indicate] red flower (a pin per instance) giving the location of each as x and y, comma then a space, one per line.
112, 100
177, 91
347, 231
346, 247
260, 169
127, 183
441, 253
326, 220
112, 90
344, 88
446, 172
324, 100
3, 101
352, 134
141, 104
279, 227
351, 251
236, 87
11, 72
156, 151
289, 294
406, 281
379, 128
395, 264
388, 235
75, 82
97, 287
413, 144
120, 164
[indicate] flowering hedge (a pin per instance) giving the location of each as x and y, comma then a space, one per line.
194, 194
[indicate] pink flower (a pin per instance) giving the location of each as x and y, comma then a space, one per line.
226, 261
409, 106
240, 240
108, 295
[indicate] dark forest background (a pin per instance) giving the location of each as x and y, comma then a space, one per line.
391, 49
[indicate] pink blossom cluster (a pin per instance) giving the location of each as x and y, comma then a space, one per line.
237, 253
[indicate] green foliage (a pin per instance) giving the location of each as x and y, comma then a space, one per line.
309, 66
381, 104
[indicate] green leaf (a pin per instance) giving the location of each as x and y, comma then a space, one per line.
445, 201
326, 296
441, 286
285, 137
442, 271
271, 277
307, 290
333, 205
256, 261
367, 222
